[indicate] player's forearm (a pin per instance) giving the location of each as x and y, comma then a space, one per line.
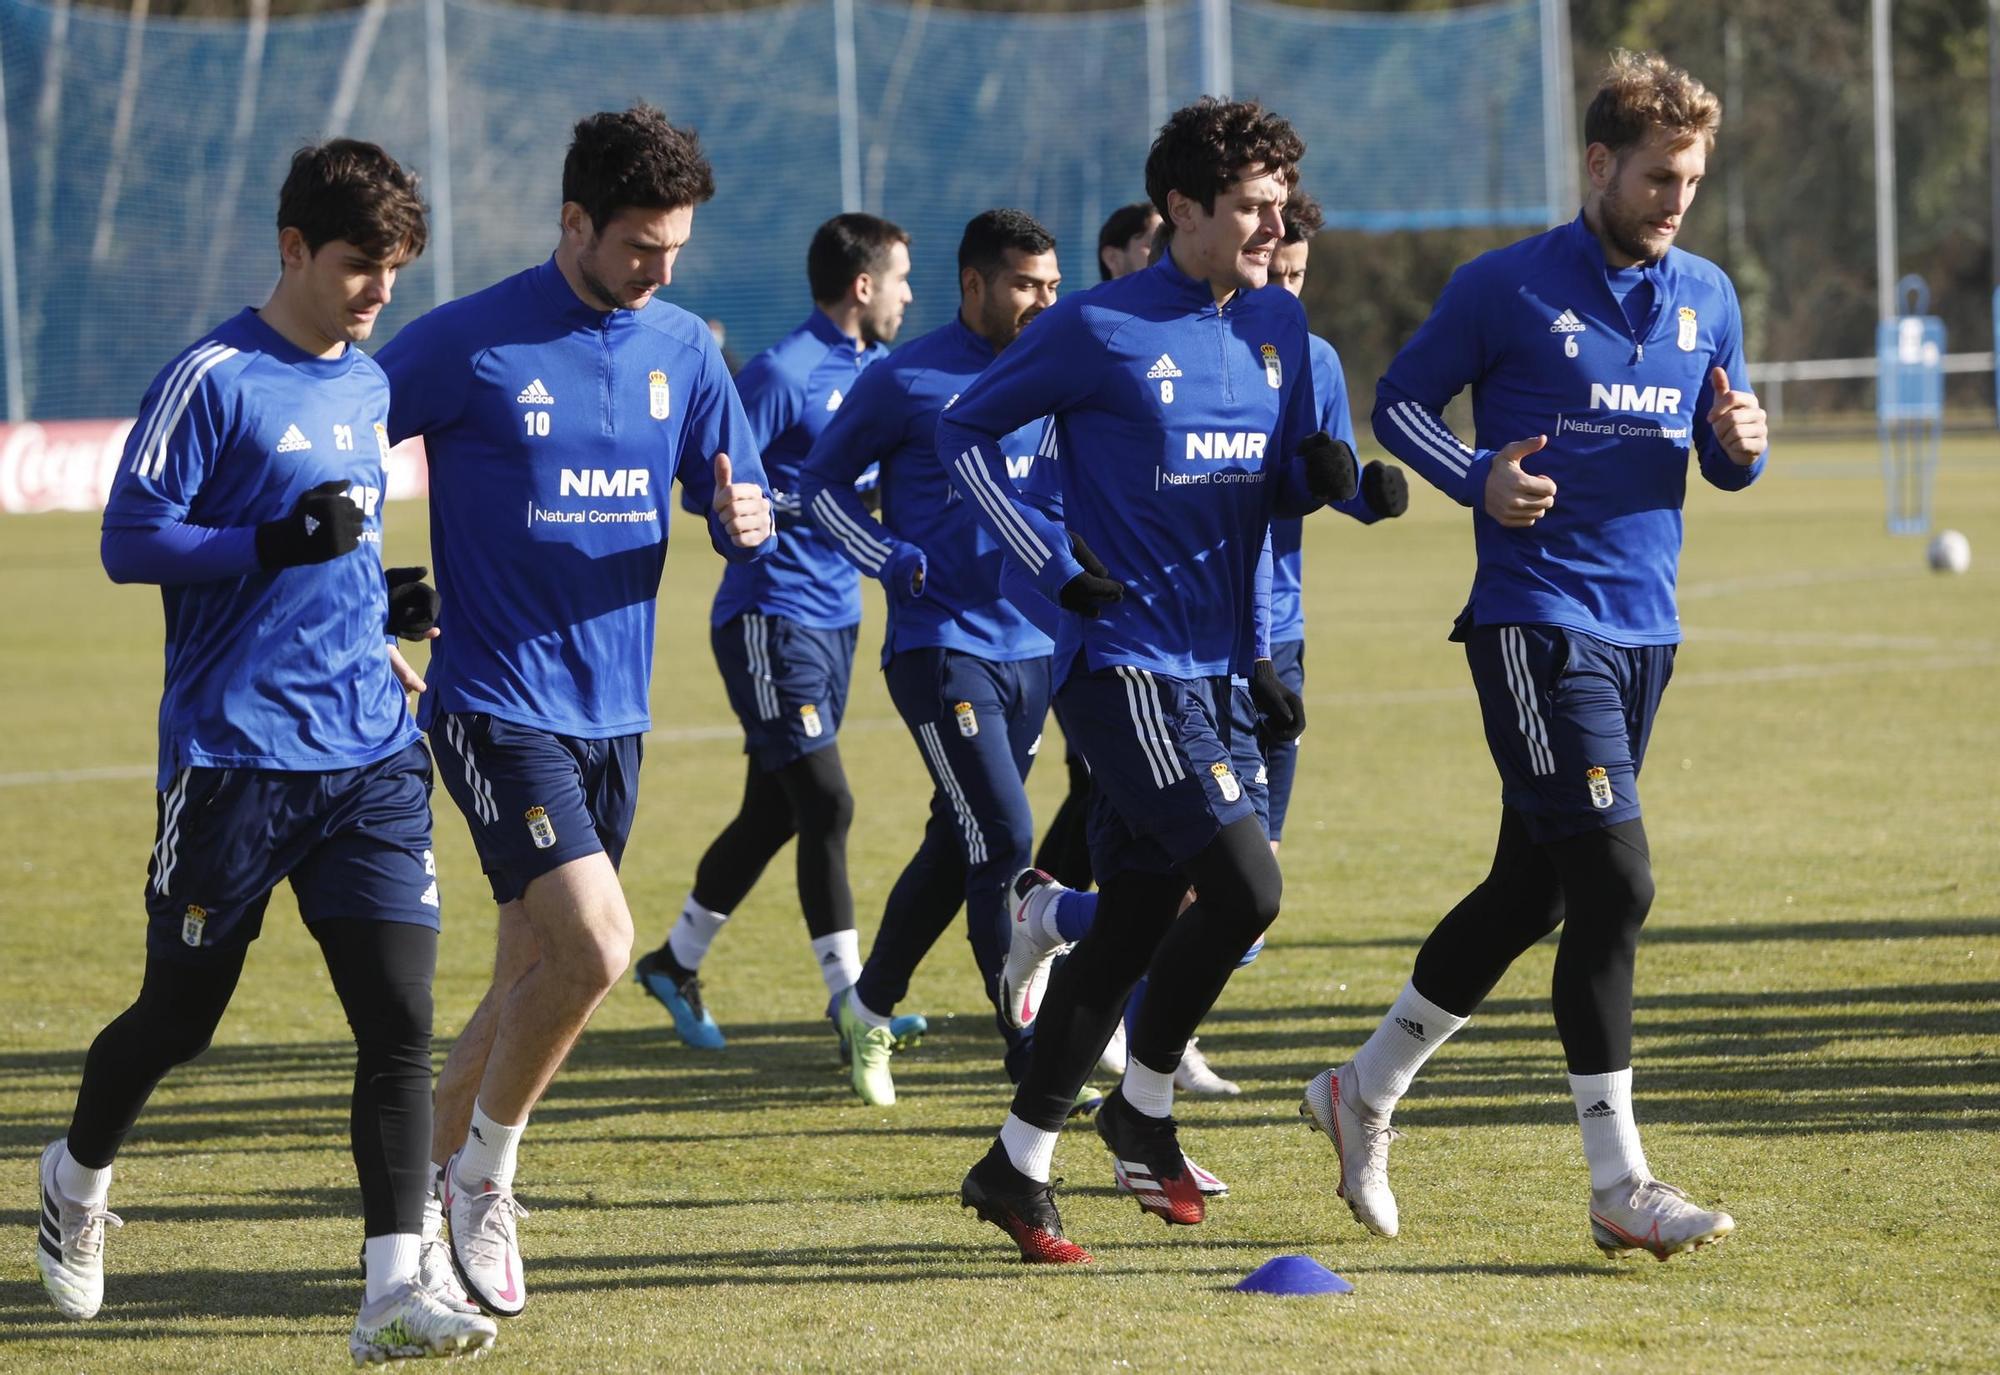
178, 554
973, 461
838, 513
1417, 435
1720, 470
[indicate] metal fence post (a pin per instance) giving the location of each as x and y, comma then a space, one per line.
1558, 112
847, 92
436, 76
10, 283
1218, 62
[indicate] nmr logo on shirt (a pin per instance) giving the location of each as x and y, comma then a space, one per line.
1221, 446
596, 482
1623, 396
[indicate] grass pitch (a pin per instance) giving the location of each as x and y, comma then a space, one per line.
1818, 1042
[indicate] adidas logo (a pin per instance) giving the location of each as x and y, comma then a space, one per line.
1162, 367
293, 440
430, 897
312, 524
1566, 323
535, 394
833, 401
1415, 1028
1598, 1109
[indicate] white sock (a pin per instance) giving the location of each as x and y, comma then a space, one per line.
1039, 912
691, 934
1031, 1149
389, 1260
1148, 1090
867, 1014
839, 956
1413, 1028
80, 1183
433, 1208
488, 1153
1610, 1134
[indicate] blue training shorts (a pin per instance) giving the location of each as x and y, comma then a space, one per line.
536, 800
787, 683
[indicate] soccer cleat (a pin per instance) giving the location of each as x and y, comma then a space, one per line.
905, 1032
1194, 1074
410, 1321
1024, 977
1360, 1138
1088, 1101
679, 992
434, 1272
1203, 1180
1638, 1214
1113, 1059
71, 1253
868, 1050
1021, 1207
484, 1250
1148, 1154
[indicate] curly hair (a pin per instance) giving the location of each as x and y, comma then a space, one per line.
1303, 217
349, 190
1202, 147
1641, 92
989, 234
634, 158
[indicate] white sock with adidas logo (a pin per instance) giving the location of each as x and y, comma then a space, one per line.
1610, 1133
689, 940
1389, 1060
839, 956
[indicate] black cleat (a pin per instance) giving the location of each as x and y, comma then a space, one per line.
1148, 1153
1022, 1208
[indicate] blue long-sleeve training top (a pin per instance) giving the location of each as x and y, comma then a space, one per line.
1613, 366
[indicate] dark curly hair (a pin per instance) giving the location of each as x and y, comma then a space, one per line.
1303, 217
634, 158
350, 190
989, 234
1202, 147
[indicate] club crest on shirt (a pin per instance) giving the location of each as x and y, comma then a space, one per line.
193, 921
541, 830
968, 719
1274, 373
1600, 786
1687, 334
809, 718
657, 400
382, 441
1226, 781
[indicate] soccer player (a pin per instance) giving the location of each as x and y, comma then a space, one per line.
1599, 355
1125, 242
969, 674
557, 407
1183, 408
784, 629
249, 491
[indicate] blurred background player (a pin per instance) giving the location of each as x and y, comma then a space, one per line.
969, 674
1125, 242
783, 631
250, 491
1600, 354
1182, 401
571, 390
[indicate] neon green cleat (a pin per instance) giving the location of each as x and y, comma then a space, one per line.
868, 1050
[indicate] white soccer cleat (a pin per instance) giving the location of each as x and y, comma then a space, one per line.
1360, 1138
434, 1272
1194, 1074
1203, 1180
71, 1244
409, 1321
1638, 1214
1113, 1058
484, 1249
1030, 952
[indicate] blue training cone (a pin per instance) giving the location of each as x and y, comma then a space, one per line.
1293, 1276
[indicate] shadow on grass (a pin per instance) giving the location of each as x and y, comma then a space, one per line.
1666, 933
137, 1304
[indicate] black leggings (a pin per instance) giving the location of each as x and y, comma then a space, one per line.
808, 798
1598, 888
1065, 851
382, 972
1187, 962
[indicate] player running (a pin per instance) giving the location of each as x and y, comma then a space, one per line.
784, 629
250, 492
968, 673
557, 407
1182, 404
1598, 355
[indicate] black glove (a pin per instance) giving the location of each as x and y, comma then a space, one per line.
1282, 716
1094, 588
1384, 488
324, 525
1331, 474
413, 603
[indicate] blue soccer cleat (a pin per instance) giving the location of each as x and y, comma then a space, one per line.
679, 993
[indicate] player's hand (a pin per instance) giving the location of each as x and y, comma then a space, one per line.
1087, 556
1331, 473
323, 524
905, 572
1515, 497
1090, 591
1384, 489
413, 604
741, 507
412, 681
1740, 425
1282, 715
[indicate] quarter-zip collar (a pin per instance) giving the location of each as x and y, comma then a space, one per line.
1664, 274
568, 306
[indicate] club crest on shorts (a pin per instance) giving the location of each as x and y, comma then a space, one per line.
541, 830
193, 922
656, 394
1225, 780
809, 718
1274, 372
1600, 786
968, 719
1686, 338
